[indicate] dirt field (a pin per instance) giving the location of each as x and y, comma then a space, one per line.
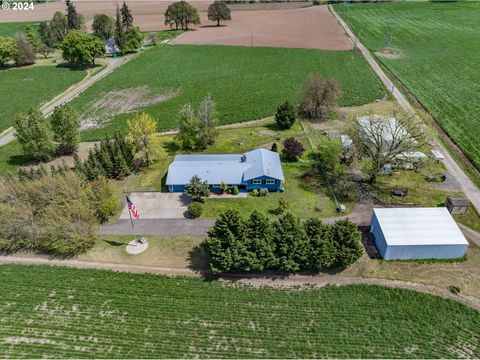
312, 27
289, 25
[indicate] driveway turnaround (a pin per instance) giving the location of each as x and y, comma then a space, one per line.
156, 205
159, 227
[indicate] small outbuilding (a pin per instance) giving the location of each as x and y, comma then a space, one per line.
417, 233
457, 206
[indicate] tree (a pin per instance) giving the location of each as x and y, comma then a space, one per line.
141, 130
32, 37
195, 210
181, 14
292, 149
46, 34
133, 39
120, 38
347, 240
323, 252
45, 50
292, 244
330, 154
318, 96
103, 26
382, 138
8, 50
218, 11
80, 48
105, 199
127, 18
285, 115
52, 214
222, 241
25, 54
187, 127
65, 122
208, 120
59, 26
197, 189
34, 135
72, 16
259, 254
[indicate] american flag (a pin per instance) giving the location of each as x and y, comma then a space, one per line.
132, 208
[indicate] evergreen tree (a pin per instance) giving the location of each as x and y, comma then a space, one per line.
323, 252
222, 242
120, 167
261, 248
46, 34
197, 189
120, 38
285, 116
126, 147
32, 37
127, 18
347, 239
292, 244
78, 166
106, 161
72, 16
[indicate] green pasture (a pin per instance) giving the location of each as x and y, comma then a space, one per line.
24, 88
438, 44
246, 83
10, 28
49, 311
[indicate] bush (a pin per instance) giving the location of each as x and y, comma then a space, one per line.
282, 206
454, 289
274, 147
254, 192
263, 192
285, 116
105, 199
25, 53
195, 210
197, 189
292, 149
235, 190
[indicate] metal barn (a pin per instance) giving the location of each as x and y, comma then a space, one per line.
417, 233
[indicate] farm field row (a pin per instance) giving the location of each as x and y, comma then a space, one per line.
32, 87
97, 314
10, 28
246, 83
435, 55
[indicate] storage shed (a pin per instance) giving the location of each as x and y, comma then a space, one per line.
457, 206
417, 233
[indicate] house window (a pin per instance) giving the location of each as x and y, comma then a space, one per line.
269, 182
256, 182
229, 185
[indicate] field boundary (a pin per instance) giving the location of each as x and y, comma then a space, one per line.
252, 279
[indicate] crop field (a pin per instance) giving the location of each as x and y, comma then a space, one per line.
246, 83
62, 312
10, 28
437, 51
32, 87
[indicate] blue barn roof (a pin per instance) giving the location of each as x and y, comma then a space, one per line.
226, 168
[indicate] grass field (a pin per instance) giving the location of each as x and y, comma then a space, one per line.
439, 48
10, 28
246, 83
32, 87
61, 312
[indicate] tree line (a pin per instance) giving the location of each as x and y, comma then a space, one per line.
181, 14
286, 243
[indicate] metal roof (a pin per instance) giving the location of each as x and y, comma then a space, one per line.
226, 168
419, 226
378, 124
458, 201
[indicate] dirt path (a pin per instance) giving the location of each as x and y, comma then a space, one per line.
111, 64
258, 280
466, 184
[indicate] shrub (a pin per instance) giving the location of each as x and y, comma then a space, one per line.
282, 206
274, 147
292, 149
235, 190
195, 210
105, 199
263, 192
254, 192
197, 189
285, 116
454, 289
25, 53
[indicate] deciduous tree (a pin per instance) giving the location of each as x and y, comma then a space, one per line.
141, 130
319, 96
292, 149
181, 14
25, 53
218, 11
8, 50
65, 122
59, 26
80, 48
103, 26
34, 135
133, 39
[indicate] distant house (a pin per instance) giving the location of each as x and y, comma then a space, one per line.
255, 169
417, 233
377, 125
111, 47
457, 206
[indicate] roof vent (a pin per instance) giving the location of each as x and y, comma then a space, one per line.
243, 158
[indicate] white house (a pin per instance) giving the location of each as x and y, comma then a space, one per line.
417, 233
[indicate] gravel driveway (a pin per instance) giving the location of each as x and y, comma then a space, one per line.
156, 205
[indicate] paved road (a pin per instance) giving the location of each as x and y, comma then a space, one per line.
467, 185
161, 227
8, 135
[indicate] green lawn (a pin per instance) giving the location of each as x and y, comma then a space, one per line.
62, 312
246, 83
24, 88
10, 28
439, 46
11, 158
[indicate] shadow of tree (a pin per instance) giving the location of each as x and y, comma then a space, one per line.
198, 260
113, 243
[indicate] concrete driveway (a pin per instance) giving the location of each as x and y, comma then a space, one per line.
156, 205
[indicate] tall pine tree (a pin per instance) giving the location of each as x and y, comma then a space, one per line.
120, 38
127, 18
72, 16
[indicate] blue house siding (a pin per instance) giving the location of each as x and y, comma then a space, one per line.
271, 187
